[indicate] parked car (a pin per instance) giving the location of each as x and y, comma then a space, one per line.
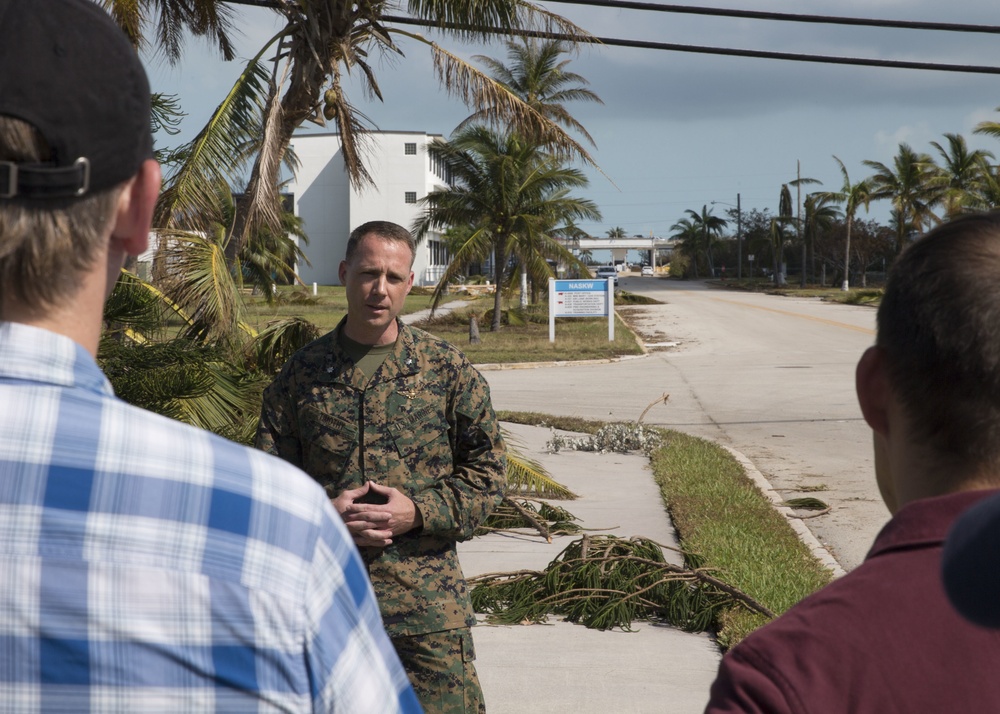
647, 270
608, 271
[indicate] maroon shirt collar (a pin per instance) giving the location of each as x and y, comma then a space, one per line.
925, 522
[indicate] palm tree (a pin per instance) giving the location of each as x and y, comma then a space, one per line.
616, 232
708, 225
512, 194
536, 75
962, 176
778, 233
322, 39
688, 236
820, 216
798, 183
173, 17
909, 184
852, 195
991, 182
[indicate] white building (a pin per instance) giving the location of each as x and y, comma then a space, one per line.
330, 208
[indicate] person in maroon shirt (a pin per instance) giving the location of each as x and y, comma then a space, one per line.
884, 638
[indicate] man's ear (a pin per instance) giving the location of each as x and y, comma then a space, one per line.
135, 209
872, 386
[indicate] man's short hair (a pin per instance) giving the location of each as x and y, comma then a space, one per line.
46, 245
939, 328
382, 229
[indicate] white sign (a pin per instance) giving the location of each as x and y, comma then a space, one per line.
581, 298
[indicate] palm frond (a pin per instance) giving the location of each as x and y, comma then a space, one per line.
198, 278
526, 477
192, 198
277, 342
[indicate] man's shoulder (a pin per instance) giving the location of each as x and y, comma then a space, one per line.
426, 341
431, 348
160, 446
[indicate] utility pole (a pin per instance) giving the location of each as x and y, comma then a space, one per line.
739, 239
802, 237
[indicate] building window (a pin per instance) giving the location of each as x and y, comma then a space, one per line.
411, 197
410, 149
439, 252
442, 170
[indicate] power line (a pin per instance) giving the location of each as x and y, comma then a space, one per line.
746, 14
786, 17
722, 51
725, 51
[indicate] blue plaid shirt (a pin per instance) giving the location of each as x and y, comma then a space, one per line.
147, 566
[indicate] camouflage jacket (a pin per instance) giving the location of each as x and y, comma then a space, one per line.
424, 424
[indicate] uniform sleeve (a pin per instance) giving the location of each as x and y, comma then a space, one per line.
747, 683
277, 432
351, 661
458, 504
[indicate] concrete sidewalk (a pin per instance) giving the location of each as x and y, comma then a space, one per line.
560, 667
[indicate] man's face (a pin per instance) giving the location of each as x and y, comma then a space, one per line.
377, 280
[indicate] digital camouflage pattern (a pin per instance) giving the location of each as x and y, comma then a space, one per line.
442, 671
423, 424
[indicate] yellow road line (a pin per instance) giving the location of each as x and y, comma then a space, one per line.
834, 323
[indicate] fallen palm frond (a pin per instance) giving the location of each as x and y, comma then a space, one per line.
527, 477
545, 518
806, 503
605, 582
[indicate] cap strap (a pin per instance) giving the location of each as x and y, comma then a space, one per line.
41, 181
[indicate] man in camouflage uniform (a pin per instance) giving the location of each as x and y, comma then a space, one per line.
397, 426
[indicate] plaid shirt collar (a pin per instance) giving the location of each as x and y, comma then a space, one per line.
33, 354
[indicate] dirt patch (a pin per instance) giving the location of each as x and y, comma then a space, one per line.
641, 324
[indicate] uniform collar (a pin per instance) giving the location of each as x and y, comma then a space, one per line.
401, 362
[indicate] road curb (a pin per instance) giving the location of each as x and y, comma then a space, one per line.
818, 550
499, 366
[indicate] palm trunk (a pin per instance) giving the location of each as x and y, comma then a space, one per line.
498, 276
260, 203
524, 286
847, 258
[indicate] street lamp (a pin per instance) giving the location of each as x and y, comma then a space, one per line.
739, 235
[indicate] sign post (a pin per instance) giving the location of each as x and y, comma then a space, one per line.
581, 298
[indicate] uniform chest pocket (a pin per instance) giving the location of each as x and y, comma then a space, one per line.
328, 445
420, 436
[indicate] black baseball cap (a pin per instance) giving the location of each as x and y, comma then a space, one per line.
68, 70
971, 563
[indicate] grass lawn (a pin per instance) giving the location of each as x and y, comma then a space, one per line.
325, 309
576, 338
854, 296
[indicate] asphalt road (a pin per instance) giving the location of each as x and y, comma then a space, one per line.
770, 376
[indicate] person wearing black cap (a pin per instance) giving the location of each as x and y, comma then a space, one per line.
884, 638
145, 566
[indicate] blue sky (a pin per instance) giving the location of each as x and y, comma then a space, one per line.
677, 130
